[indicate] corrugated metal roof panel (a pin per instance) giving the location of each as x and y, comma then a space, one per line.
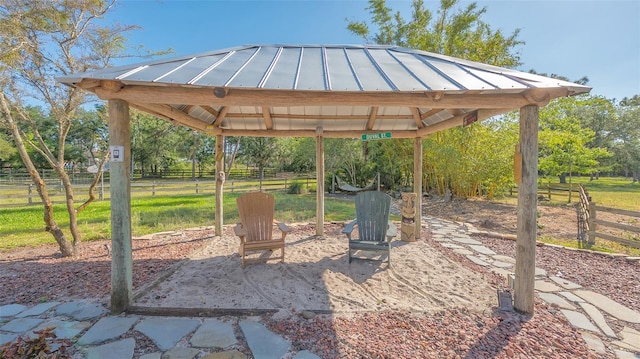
341, 75
189, 70
284, 72
396, 72
255, 70
225, 70
367, 73
312, 70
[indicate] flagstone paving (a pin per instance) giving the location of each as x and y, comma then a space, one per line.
98, 335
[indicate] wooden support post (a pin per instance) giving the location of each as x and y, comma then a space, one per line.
417, 183
120, 189
591, 237
220, 178
527, 208
319, 182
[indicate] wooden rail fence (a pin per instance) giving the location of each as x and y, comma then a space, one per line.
589, 225
14, 196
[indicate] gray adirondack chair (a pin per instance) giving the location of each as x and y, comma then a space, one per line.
375, 230
256, 226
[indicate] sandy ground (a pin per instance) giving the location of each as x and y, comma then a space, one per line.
318, 277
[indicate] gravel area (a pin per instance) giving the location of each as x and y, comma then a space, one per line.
34, 275
30, 276
459, 333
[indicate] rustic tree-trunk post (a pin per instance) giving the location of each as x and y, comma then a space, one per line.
527, 207
591, 238
120, 187
417, 183
220, 178
319, 182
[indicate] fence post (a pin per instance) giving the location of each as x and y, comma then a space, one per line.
285, 183
153, 188
102, 186
30, 192
549, 191
591, 238
197, 187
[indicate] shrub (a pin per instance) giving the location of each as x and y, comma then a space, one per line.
296, 187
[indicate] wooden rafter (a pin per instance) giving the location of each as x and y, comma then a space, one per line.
268, 122
417, 117
430, 113
221, 115
458, 121
172, 114
373, 114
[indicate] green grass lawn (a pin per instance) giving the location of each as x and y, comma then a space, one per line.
613, 192
24, 226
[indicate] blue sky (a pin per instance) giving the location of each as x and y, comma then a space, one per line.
599, 39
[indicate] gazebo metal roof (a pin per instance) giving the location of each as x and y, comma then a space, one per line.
347, 90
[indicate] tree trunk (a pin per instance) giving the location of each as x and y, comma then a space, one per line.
51, 226
73, 215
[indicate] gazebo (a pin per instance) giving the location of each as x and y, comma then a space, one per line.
320, 91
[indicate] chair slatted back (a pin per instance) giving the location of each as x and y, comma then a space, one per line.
256, 215
372, 214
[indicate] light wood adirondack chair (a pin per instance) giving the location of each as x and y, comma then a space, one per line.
375, 230
256, 226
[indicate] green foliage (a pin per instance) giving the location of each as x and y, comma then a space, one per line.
38, 347
471, 161
452, 30
296, 187
564, 142
257, 151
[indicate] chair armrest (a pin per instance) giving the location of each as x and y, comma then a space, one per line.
392, 231
348, 229
284, 229
239, 230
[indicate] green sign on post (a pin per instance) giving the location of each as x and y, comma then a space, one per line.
376, 136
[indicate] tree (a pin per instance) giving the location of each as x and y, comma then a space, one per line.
566, 141
258, 151
150, 156
626, 146
40, 40
459, 32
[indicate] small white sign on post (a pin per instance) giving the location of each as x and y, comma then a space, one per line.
117, 153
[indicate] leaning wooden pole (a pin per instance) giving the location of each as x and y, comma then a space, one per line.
527, 208
220, 178
120, 189
417, 183
319, 182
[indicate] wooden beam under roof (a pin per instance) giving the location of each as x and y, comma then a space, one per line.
268, 122
373, 114
458, 121
430, 113
306, 133
320, 117
172, 114
221, 115
416, 116
291, 98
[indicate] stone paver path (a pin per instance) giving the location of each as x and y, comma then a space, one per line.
99, 335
